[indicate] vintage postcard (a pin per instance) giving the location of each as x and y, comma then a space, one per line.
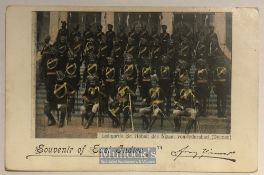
131, 89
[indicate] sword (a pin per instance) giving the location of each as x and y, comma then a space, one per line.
165, 116
131, 113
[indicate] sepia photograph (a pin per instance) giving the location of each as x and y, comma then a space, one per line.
138, 89
161, 72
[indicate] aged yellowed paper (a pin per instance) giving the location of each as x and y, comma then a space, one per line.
221, 139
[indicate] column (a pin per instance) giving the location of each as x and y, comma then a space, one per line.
107, 18
34, 35
55, 23
219, 22
167, 19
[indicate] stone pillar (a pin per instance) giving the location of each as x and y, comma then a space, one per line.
34, 35
107, 18
55, 23
167, 19
219, 22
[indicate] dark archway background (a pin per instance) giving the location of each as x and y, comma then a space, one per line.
83, 18
128, 19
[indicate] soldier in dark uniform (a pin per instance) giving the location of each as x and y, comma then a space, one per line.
103, 52
214, 52
121, 104
91, 101
144, 79
76, 48
185, 105
122, 37
165, 75
144, 33
118, 54
61, 96
62, 32
62, 48
46, 47
72, 73
88, 51
98, 37
130, 72
154, 105
110, 35
202, 82
88, 34
132, 48
185, 50
50, 65
143, 51
181, 76
154, 35
200, 49
133, 34
45, 53
211, 35
91, 69
172, 54
110, 80
221, 78
164, 37
75, 33
156, 54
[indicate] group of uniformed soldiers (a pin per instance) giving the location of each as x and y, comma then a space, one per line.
116, 64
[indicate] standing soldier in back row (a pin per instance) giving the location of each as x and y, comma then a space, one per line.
72, 73
61, 95
110, 35
221, 79
165, 75
164, 37
63, 31
130, 72
202, 82
109, 81
50, 63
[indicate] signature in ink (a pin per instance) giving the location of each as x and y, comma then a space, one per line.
204, 153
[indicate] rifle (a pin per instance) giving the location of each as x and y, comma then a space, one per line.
131, 112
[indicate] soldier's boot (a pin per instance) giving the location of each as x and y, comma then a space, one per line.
51, 120
69, 116
123, 125
189, 125
115, 121
62, 118
83, 117
90, 120
47, 111
145, 122
151, 124
177, 123
223, 106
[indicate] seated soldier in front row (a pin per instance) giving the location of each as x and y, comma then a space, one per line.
121, 103
185, 106
91, 101
154, 105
